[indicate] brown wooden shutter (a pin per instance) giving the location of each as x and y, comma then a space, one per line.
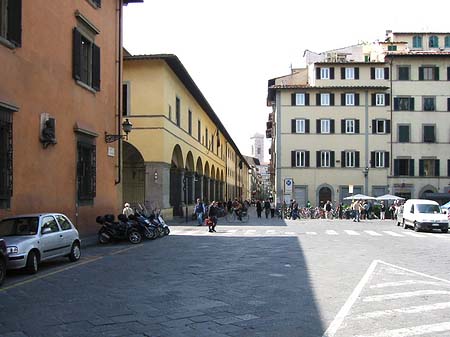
342, 126
332, 73
343, 159
331, 125
331, 99
14, 32
387, 99
293, 99
372, 73
357, 126
357, 159
386, 159
293, 158
342, 99
293, 126
332, 164
318, 99
307, 99
95, 67
306, 125
356, 73
318, 73
386, 73
306, 158
76, 55
357, 99
342, 73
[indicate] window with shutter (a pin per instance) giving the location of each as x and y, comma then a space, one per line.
429, 134
403, 133
6, 157
11, 22
86, 60
403, 73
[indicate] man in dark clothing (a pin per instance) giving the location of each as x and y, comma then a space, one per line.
258, 208
229, 205
267, 208
213, 213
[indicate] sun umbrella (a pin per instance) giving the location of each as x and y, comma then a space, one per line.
389, 197
359, 197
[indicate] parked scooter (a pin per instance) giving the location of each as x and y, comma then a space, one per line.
117, 230
155, 219
146, 228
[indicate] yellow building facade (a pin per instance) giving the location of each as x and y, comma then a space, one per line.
179, 150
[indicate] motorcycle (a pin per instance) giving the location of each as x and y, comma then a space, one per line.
149, 230
155, 219
117, 230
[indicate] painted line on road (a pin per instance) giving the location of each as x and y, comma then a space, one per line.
334, 326
403, 283
392, 233
407, 294
311, 233
126, 249
416, 272
412, 331
289, 233
351, 232
271, 231
407, 310
373, 233
39, 277
331, 232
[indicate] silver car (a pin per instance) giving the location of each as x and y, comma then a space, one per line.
33, 238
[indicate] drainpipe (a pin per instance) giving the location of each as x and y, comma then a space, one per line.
119, 91
366, 142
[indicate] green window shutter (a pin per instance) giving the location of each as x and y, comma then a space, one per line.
421, 74
331, 125
372, 159
14, 29
388, 126
318, 163
318, 99
293, 158
357, 159
332, 73
318, 126
293, 99
342, 99
436, 73
342, 158
374, 126
357, 126
293, 126
411, 167
372, 73
437, 171
387, 99
307, 159
386, 73
95, 67
331, 99
342, 126
318, 73
386, 159
357, 99
356, 73
332, 164
76, 62
307, 99
306, 125
374, 99
342, 73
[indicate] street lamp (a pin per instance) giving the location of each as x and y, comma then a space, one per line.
126, 127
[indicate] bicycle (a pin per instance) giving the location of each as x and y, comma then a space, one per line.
232, 216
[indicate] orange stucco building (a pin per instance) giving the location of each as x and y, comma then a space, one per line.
61, 74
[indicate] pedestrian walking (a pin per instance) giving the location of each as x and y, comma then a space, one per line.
382, 210
272, 208
258, 208
199, 211
213, 217
267, 208
327, 209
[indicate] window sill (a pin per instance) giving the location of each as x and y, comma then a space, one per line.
6, 43
85, 86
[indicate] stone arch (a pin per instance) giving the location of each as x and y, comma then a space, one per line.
176, 180
324, 193
198, 181
427, 189
212, 184
206, 182
189, 179
133, 190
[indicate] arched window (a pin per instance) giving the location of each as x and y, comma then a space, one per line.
433, 42
447, 41
417, 41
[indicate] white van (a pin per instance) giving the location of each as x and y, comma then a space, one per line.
422, 214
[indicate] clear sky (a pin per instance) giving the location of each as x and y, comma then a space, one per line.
232, 48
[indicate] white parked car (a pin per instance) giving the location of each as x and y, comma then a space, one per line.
422, 214
33, 238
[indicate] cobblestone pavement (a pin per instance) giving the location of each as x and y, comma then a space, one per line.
267, 277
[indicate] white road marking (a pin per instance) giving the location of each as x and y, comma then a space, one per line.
271, 231
350, 232
373, 233
334, 326
331, 232
408, 310
416, 272
415, 234
311, 233
231, 230
392, 233
403, 283
289, 233
412, 331
249, 231
407, 294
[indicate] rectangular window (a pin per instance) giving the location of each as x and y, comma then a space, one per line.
300, 158
404, 167
349, 99
417, 41
379, 159
299, 99
392, 48
403, 73
379, 73
324, 73
404, 103
380, 126
429, 134
349, 73
125, 98
324, 99
190, 122
300, 126
349, 159
11, 21
177, 111
86, 170
403, 133
86, 60
429, 104
324, 126
349, 126
6, 157
429, 167
206, 137
199, 131
429, 73
380, 99
325, 158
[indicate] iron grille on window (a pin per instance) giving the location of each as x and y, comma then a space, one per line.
6, 158
86, 171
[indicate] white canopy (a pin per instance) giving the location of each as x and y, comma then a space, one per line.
389, 197
359, 197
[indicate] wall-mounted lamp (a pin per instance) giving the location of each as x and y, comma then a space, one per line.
126, 127
155, 176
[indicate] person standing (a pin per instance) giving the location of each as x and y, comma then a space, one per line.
382, 210
327, 209
272, 208
267, 208
213, 213
199, 211
258, 208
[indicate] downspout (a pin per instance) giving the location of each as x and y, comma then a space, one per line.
391, 98
119, 92
279, 196
366, 141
